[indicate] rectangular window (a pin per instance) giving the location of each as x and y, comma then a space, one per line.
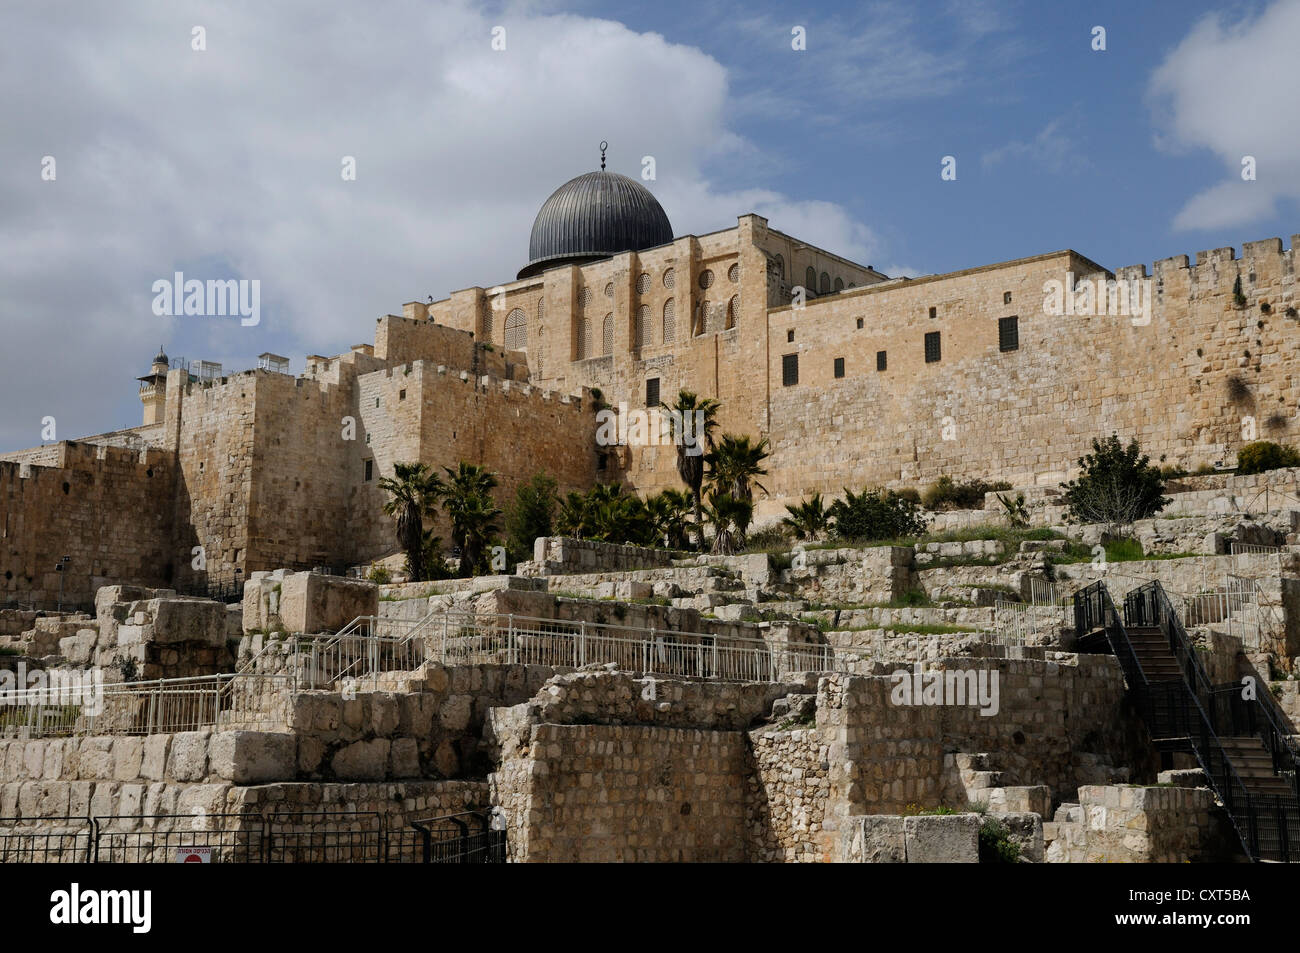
789, 370
652, 392
859, 324
882, 362
1009, 334
370, 470
789, 335
931, 347
401, 395
1006, 297
934, 312
839, 367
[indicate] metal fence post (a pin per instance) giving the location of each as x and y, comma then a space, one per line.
510, 638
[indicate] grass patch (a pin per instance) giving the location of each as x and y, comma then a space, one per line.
1117, 551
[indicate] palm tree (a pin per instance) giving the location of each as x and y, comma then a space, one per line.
735, 466
467, 501
574, 516
729, 516
668, 513
412, 494
687, 437
808, 519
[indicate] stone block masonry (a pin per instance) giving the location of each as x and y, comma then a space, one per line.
603, 793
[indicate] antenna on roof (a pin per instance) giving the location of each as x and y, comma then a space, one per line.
603, 146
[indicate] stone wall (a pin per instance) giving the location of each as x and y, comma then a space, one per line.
108, 508
602, 793
557, 555
1137, 825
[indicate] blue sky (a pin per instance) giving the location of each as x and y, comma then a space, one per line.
225, 161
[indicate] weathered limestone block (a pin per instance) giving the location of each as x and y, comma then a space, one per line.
314, 602
188, 620
942, 838
254, 757
188, 759
873, 839
362, 760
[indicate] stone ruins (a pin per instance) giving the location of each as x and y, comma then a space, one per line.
998, 689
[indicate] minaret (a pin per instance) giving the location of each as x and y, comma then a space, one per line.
153, 390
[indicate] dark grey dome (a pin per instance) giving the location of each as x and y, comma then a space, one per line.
595, 216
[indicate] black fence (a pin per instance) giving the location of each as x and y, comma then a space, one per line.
277, 838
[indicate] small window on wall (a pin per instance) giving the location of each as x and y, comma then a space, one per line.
401, 395
932, 353
789, 335
1009, 334
859, 324
652, 392
1006, 297
839, 367
882, 363
789, 370
934, 312
370, 470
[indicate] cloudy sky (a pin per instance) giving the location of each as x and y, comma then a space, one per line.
226, 161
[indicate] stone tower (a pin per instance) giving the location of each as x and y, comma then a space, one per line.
153, 389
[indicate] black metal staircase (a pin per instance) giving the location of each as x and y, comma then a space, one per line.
1241, 741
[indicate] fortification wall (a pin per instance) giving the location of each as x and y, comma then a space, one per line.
1192, 385
106, 507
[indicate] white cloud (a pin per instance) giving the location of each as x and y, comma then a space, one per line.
171, 158
1225, 88
1052, 148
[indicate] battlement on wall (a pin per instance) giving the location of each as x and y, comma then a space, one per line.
87, 457
1209, 260
489, 383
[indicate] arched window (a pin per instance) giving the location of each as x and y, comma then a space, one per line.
839, 284
584, 339
706, 279
826, 283
607, 336
584, 298
541, 310
670, 278
733, 274
733, 307
810, 280
516, 330
642, 283
642, 336
701, 317
670, 321
780, 266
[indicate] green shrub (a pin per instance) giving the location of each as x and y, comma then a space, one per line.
531, 516
996, 845
1118, 485
1265, 455
379, 574
876, 514
946, 494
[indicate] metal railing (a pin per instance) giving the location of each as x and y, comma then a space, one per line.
161, 706
1188, 714
279, 837
1252, 549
